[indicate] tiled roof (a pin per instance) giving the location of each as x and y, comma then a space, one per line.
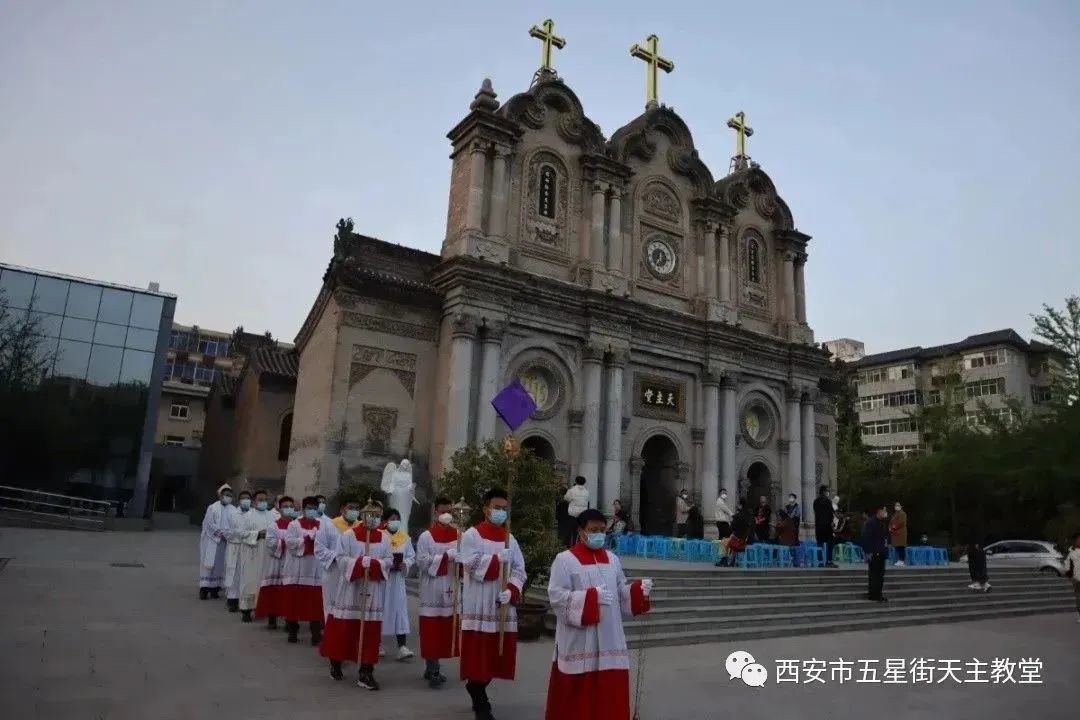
276, 362
971, 342
226, 382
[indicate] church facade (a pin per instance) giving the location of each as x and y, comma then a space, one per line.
655, 313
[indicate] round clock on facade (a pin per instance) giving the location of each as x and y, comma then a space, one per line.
660, 257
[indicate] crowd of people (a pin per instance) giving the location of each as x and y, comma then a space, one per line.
344, 577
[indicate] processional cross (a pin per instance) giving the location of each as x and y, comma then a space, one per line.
650, 53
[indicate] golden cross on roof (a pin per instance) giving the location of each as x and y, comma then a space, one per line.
742, 131
651, 55
545, 32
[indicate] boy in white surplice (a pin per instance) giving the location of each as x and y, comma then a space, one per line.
590, 674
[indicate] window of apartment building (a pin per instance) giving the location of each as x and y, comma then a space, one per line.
984, 388
893, 399
901, 372
179, 411
887, 427
986, 359
174, 440
903, 450
980, 418
933, 397
1041, 394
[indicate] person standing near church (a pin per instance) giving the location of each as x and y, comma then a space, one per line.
326, 548
485, 549
321, 505
682, 512
396, 600
364, 560
875, 544
213, 544
794, 512
722, 515
898, 533
253, 527
271, 600
436, 558
233, 568
302, 575
577, 501
823, 524
590, 596
762, 517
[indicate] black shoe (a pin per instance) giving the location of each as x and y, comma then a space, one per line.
271, 624
832, 565
233, 604
215, 593
882, 599
366, 680
335, 670
204, 593
245, 616
293, 629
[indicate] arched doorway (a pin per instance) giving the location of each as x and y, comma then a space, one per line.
758, 483
656, 510
539, 447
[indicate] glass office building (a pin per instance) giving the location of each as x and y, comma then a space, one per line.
80, 382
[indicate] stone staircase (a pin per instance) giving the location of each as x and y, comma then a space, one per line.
692, 606
712, 605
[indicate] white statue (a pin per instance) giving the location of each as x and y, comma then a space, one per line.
400, 490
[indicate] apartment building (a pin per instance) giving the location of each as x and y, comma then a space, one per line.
993, 368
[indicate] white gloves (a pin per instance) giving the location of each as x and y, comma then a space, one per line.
451, 555
646, 586
504, 598
504, 556
365, 562
605, 596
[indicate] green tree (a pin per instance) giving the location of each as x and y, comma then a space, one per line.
533, 493
1062, 331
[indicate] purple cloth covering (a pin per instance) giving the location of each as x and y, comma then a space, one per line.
514, 405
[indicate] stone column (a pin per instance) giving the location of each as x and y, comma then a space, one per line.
491, 344
499, 190
809, 458
800, 290
710, 470
459, 390
632, 499
788, 270
729, 429
614, 262
590, 425
612, 471
710, 261
793, 472
725, 269
477, 167
596, 234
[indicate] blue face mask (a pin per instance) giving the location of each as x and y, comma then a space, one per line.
226, 499
245, 503
322, 508
351, 515
311, 513
595, 540
498, 516
261, 505
393, 526
288, 512
372, 522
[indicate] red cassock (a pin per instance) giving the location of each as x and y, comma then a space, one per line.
481, 660
272, 595
341, 638
437, 592
302, 574
589, 638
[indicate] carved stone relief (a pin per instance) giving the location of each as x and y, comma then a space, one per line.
390, 327
367, 358
379, 424
658, 200
546, 233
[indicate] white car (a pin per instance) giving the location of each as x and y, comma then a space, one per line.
1035, 554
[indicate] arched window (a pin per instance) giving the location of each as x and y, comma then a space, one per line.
284, 438
545, 199
753, 261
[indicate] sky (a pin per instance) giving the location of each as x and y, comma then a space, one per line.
931, 150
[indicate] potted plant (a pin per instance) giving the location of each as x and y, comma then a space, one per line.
534, 491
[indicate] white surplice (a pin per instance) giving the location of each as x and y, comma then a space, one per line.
395, 599
212, 546
252, 554
233, 570
326, 550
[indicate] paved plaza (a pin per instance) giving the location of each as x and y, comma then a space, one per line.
85, 640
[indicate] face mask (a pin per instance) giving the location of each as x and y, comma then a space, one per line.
245, 503
393, 526
261, 505
498, 516
723, 496
446, 519
352, 515
288, 512
897, 508
371, 522
322, 508
226, 499
311, 513
594, 541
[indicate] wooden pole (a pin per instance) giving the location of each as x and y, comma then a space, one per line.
364, 597
461, 513
504, 568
